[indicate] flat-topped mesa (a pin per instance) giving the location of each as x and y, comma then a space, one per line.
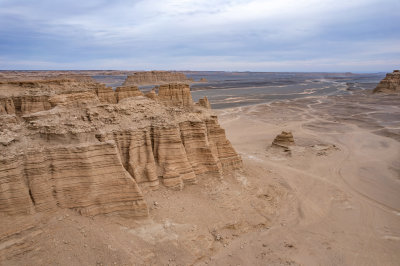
284, 140
176, 94
76, 77
43, 75
390, 84
126, 92
82, 150
156, 78
30, 96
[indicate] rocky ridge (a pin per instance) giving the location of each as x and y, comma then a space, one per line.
390, 84
156, 78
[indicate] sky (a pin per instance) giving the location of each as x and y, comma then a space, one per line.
229, 35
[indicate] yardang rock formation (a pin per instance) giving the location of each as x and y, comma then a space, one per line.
284, 140
390, 84
156, 78
77, 144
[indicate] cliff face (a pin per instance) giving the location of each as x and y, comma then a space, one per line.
69, 144
204, 102
69, 176
175, 94
126, 92
25, 97
155, 78
390, 84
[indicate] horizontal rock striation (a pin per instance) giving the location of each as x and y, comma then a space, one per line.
25, 97
126, 92
136, 153
73, 177
175, 94
80, 145
221, 146
156, 78
390, 84
202, 155
105, 94
285, 139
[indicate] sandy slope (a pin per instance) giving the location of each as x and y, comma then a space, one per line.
344, 202
334, 200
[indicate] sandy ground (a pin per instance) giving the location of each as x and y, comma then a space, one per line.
343, 181
334, 199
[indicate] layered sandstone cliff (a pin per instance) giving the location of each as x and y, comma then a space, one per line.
126, 92
80, 145
390, 84
24, 97
156, 78
175, 94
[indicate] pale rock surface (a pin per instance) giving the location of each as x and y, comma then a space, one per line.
69, 176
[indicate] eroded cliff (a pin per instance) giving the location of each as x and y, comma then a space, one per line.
79, 145
390, 84
156, 78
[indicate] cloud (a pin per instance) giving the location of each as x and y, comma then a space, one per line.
220, 34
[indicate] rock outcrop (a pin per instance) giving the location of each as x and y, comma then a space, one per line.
204, 102
84, 177
152, 95
175, 94
156, 78
25, 97
126, 92
106, 94
203, 80
390, 84
69, 144
284, 140
7, 106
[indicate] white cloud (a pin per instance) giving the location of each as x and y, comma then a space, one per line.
227, 33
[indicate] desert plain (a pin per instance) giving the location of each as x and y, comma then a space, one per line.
331, 198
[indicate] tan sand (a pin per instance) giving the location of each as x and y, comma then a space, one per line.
343, 205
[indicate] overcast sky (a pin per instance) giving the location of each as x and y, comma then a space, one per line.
243, 35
